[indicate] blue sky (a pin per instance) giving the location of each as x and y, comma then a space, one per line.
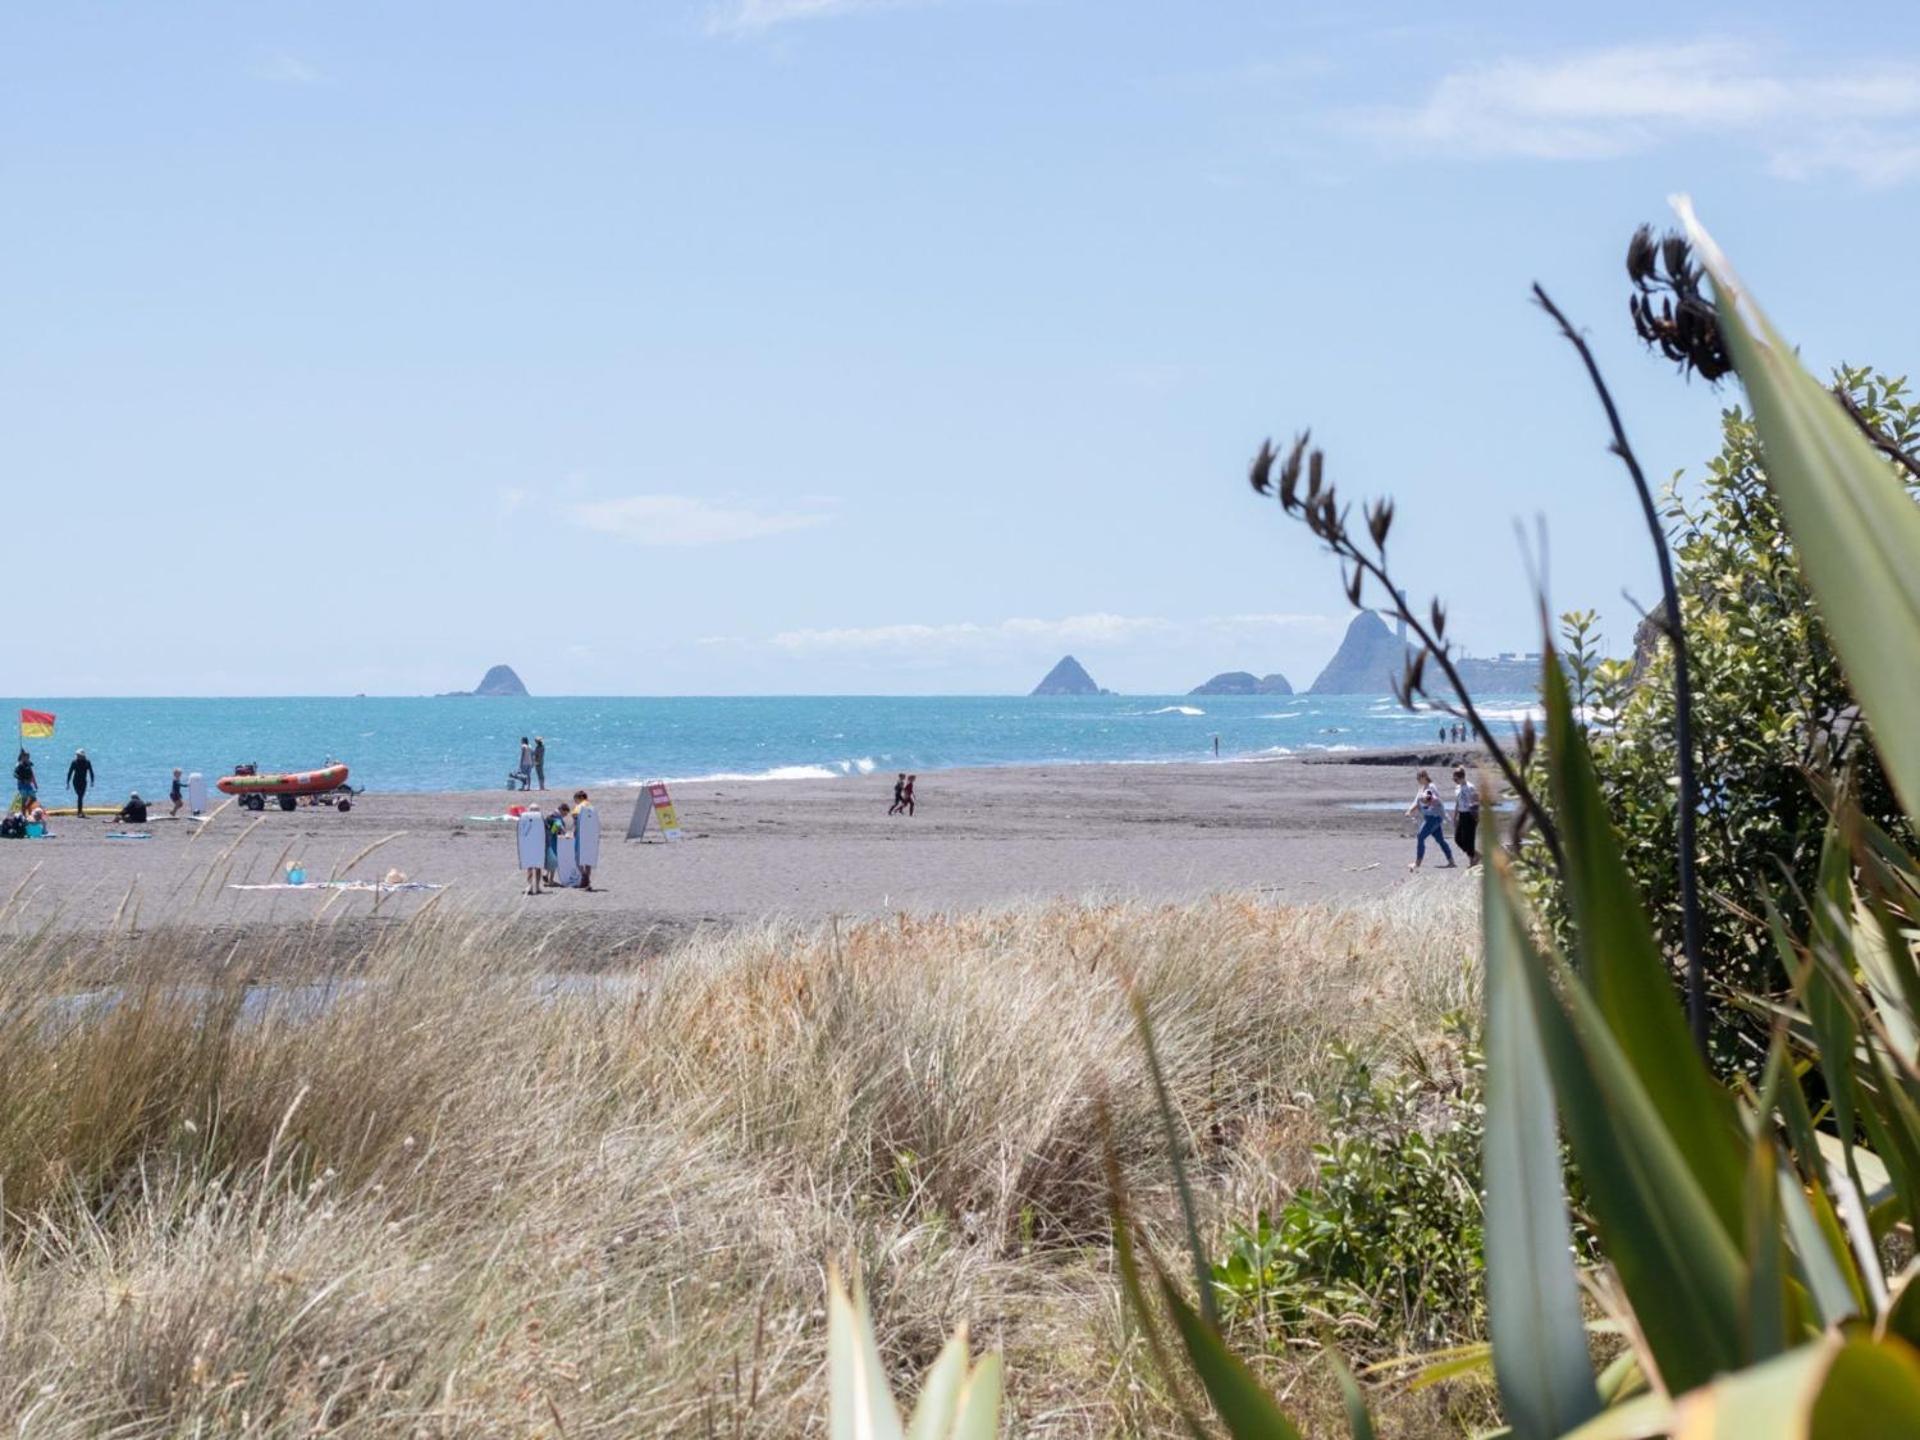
723, 346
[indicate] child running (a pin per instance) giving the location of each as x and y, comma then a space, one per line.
1433, 818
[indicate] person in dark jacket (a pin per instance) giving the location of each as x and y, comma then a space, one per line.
134, 812
79, 777
23, 781
540, 760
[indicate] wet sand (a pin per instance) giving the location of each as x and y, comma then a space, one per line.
801, 849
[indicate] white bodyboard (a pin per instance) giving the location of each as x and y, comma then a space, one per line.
586, 835
196, 793
530, 836
642, 815
566, 869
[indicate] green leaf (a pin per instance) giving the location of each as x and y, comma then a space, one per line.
1835, 1388
979, 1409
1766, 1309
1680, 1270
940, 1392
1854, 526
1871, 1392
860, 1403
1539, 1348
1359, 1422
1621, 965
1244, 1406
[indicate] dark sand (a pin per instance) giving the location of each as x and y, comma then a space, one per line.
800, 849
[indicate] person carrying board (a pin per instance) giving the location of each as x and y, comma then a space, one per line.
586, 837
530, 840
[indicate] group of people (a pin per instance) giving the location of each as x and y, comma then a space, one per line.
1453, 734
1432, 812
531, 767
902, 795
559, 851
80, 778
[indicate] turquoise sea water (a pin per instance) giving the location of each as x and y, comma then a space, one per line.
467, 743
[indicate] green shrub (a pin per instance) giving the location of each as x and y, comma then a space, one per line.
1767, 689
1384, 1244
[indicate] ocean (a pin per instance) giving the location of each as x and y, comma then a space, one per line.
469, 743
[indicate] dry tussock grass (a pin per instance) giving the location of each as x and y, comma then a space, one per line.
445, 1196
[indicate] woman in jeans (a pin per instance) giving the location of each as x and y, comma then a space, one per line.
1433, 818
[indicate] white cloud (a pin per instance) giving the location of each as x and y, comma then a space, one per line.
684, 520
1097, 629
755, 17
1629, 99
285, 69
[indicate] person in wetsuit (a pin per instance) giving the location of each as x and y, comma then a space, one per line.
79, 777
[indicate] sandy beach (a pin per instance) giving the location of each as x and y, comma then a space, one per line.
803, 850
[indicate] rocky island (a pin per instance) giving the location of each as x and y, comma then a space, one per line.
499, 680
1069, 677
1244, 682
1368, 661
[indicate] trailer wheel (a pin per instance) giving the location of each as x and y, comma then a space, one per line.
343, 805
255, 802
288, 802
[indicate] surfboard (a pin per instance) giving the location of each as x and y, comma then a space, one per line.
566, 869
586, 835
196, 792
530, 838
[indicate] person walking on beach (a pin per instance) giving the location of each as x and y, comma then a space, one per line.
1433, 819
79, 777
177, 794
1466, 815
523, 772
906, 796
540, 761
899, 794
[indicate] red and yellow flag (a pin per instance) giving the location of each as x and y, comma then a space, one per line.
36, 724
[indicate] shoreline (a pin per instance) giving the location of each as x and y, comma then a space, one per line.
1293, 829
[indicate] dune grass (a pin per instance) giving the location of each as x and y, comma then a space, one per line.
456, 1198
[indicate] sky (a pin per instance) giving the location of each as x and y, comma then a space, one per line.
869, 346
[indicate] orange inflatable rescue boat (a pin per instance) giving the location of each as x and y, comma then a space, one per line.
253, 787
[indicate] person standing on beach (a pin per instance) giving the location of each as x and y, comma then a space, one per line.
1433, 819
540, 761
906, 796
177, 794
523, 772
79, 777
1466, 815
556, 830
1216, 747
899, 794
23, 783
